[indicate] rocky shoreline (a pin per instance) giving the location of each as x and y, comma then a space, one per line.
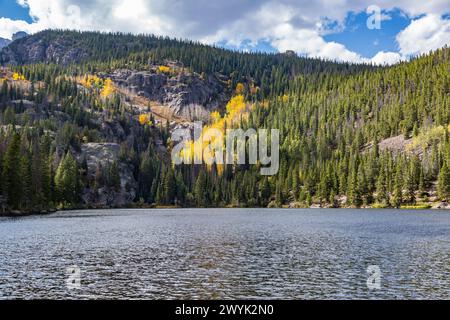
294, 205
418, 206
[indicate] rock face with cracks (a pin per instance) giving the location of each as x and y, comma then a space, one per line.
35, 49
187, 95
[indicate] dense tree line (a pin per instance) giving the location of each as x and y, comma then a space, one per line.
331, 127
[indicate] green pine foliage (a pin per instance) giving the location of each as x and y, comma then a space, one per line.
331, 118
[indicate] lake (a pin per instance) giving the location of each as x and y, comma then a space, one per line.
227, 254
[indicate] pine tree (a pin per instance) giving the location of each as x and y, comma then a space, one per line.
279, 199
382, 195
46, 174
444, 183
421, 181
181, 189
12, 186
397, 196
200, 190
27, 183
332, 199
410, 187
169, 186
9, 116
354, 189
265, 192
67, 181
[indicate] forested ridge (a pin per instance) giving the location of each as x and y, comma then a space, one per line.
351, 135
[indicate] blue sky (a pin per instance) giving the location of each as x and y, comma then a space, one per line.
354, 35
357, 37
332, 29
11, 9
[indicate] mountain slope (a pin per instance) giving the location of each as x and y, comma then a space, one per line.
111, 51
86, 122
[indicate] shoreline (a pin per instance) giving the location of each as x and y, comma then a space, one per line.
18, 214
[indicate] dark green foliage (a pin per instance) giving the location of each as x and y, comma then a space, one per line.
331, 123
67, 181
11, 177
444, 182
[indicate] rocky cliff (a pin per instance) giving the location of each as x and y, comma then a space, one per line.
4, 42
188, 95
34, 49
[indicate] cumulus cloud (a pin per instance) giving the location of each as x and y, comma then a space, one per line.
310, 43
387, 58
298, 25
8, 27
424, 34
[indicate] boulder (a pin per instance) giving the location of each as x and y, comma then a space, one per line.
442, 205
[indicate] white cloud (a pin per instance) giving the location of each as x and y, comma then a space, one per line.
8, 27
386, 58
286, 24
385, 17
310, 43
424, 34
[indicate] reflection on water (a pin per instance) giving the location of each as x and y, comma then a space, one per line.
227, 253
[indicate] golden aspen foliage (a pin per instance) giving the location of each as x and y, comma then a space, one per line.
236, 110
164, 69
240, 88
108, 89
215, 116
91, 81
144, 119
17, 76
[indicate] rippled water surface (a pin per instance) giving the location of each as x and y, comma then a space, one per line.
227, 253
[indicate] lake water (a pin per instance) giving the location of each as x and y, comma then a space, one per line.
226, 254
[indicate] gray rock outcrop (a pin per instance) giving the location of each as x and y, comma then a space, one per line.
38, 49
188, 95
19, 35
103, 155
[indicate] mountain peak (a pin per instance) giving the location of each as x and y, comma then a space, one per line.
19, 35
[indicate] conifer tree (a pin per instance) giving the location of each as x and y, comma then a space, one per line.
200, 190
382, 195
26, 199
67, 181
397, 196
12, 185
444, 182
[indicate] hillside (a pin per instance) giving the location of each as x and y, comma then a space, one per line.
86, 121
